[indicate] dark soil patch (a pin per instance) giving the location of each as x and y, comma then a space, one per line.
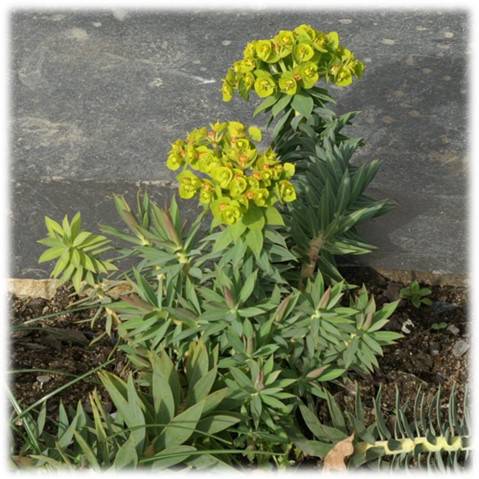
58, 349
433, 353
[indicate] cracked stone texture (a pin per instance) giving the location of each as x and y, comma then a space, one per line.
99, 96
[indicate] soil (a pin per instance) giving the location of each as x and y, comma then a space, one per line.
432, 354
57, 349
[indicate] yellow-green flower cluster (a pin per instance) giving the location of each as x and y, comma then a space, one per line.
222, 167
291, 61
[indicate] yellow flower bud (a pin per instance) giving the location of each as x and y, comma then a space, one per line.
189, 184
287, 193
206, 193
223, 176
260, 196
237, 186
287, 83
303, 52
264, 86
289, 170
264, 49
174, 161
227, 91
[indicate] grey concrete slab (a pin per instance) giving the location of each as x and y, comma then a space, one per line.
98, 97
94, 199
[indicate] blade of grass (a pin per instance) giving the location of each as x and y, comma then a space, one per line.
209, 451
177, 426
27, 422
60, 389
52, 315
38, 370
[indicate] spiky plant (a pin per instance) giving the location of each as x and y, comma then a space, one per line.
76, 252
162, 418
424, 434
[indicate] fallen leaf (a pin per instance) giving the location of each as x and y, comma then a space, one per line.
136, 301
334, 460
315, 373
22, 461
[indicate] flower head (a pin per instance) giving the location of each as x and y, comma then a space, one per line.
287, 193
264, 85
227, 211
287, 83
223, 168
189, 184
291, 61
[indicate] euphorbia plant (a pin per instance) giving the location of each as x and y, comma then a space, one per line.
285, 71
290, 63
238, 183
261, 289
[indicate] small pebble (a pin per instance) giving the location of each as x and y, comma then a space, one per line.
392, 291
43, 379
439, 307
460, 348
406, 325
453, 329
434, 349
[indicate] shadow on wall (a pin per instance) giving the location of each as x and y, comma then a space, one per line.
413, 120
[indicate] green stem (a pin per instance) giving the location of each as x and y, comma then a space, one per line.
408, 445
52, 315
60, 389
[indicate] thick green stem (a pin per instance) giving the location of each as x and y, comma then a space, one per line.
408, 445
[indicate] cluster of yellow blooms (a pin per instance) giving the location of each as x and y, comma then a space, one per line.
290, 61
223, 167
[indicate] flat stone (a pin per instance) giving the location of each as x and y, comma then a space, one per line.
460, 348
99, 96
440, 307
57, 198
32, 288
453, 329
392, 292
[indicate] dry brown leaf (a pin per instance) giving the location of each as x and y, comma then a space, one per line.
136, 301
334, 460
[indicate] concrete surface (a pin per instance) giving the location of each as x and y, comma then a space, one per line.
99, 96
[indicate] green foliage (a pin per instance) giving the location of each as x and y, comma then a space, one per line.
162, 419
416, 295
230, 176
291, 63
332, 203
162, 243
422, 434
234, 333
439, 326
76, 251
